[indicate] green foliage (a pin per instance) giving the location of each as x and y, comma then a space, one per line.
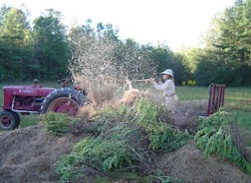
161, 135
108, 153
56, 123
123, 138
109, 117
45, 50
215, 137
189, 83
228, 48
52, 49
26, 53
69, 168
15, 44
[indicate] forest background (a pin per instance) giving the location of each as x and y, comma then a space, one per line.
46, 49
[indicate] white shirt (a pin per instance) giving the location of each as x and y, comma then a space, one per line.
168, 88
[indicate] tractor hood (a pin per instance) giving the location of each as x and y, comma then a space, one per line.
33, 90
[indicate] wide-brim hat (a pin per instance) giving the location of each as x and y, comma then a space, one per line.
168, 72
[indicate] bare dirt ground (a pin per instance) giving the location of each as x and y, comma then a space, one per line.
29, 155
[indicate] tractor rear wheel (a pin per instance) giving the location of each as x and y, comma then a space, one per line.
8, 120
64, 100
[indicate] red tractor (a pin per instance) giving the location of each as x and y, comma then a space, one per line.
37, 99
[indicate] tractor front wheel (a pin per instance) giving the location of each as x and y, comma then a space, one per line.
8, 120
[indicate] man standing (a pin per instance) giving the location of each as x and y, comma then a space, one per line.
168, 88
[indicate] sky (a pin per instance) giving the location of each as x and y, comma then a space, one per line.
175, 23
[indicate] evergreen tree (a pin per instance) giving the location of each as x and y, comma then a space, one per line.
15, 44
51, 48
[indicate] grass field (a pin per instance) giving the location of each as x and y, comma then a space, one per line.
237, 100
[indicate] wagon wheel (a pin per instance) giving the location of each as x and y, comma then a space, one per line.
7, 121
64, 100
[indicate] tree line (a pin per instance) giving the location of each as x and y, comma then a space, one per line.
46, 49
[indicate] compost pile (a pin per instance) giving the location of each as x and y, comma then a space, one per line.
32, 154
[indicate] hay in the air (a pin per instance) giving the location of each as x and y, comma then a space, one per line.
132, 94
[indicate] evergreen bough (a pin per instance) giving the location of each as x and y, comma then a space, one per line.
123, 139
215, 137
